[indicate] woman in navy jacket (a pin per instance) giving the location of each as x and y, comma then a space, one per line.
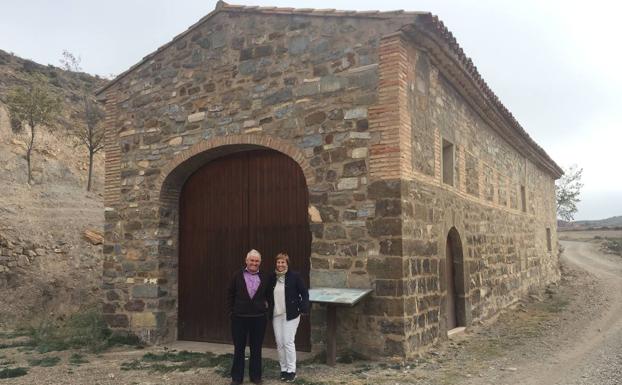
290, 299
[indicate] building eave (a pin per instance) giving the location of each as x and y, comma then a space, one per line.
430, 34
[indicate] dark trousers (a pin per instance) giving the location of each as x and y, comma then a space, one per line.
253, 330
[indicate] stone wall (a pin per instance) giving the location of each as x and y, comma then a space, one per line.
14, 255
504, 248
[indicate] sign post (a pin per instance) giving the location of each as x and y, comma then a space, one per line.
333, 297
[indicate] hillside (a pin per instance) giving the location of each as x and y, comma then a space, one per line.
612, 222
46, 268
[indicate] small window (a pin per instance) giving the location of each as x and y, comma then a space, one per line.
448, 162
523, 198
548, 239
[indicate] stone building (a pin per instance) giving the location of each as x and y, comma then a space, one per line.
364, 143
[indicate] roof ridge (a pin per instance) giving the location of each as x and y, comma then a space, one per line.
221, 5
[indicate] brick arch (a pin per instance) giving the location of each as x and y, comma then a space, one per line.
237, 141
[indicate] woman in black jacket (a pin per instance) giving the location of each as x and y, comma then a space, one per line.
290, 299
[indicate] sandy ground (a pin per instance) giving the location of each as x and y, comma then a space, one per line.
569, 334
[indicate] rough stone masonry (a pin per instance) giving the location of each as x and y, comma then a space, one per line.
407, 154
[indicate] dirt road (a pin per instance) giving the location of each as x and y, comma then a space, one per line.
596, 358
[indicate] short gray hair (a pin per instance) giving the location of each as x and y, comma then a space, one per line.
253, 253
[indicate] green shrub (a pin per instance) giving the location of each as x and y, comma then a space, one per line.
614, 245
12, 372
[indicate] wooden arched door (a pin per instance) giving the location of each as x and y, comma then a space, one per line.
456, 313
248, 200
451, 287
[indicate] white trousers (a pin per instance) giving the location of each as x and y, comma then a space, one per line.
284, 334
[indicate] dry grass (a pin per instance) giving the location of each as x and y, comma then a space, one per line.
587, 235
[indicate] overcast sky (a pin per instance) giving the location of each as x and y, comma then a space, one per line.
556, 65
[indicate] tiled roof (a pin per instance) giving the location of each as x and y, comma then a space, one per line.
316, 12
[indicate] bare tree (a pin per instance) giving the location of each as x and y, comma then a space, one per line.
34, 105
567, 191
69, 62
92, 133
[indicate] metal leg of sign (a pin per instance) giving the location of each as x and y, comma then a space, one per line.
331, 335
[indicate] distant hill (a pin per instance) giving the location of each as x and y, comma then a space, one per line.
16, 71
594, 224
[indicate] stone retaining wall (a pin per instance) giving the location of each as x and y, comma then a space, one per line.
15, 255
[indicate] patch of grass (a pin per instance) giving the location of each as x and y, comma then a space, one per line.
12, 373
350, 356
181, 361
451, 377
270, 368
77, 359
556, 304
132, 365
12, 339
86, 329
182, 356
6, 362
486, 349
319, 358
302, 381
14, 333
362, 369
16, 344
119, 338
45, 361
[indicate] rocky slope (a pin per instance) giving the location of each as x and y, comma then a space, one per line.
47, 269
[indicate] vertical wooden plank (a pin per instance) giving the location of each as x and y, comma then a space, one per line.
278, 201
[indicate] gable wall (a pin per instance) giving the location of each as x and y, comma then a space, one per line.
306, 83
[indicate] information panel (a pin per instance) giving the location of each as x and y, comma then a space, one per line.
337, 296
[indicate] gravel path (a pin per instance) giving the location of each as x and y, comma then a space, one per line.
584, 345
596, 357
